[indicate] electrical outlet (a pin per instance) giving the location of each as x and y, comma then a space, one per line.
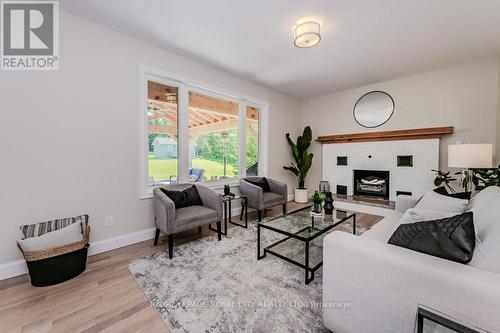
109, 221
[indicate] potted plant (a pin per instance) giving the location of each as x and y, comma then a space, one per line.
227, 191
444, 178
317, 200
484, 178
303, 161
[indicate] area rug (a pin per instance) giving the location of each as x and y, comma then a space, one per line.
212, 286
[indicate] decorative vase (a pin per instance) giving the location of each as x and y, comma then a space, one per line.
316, 208
328, 203
324, 186
301, 195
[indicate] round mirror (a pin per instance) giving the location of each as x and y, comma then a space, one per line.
373, 109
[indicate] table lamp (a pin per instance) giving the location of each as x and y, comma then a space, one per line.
469, 156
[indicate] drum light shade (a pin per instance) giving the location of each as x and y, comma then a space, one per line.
306, 34
467, 156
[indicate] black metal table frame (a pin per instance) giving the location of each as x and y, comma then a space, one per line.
227, 214
309, 271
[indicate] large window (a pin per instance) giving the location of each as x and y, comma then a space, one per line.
162, 133
194, 133
252, 140
213, 138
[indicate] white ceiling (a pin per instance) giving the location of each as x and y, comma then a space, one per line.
364, 41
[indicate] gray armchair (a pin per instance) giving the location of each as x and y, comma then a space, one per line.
171, 221
260, 200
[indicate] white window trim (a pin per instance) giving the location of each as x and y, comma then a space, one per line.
185, 85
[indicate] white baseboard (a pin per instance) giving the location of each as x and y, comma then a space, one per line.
18, 267
13, 268
120, 241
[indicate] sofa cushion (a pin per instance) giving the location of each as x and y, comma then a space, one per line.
451, 238
414, 215
487, 252
271, 199
483, 197
441, 203
190, 217
64, 236
185, 198
383, 230
486, 208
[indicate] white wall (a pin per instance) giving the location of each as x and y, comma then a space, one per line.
464, 97
69, 139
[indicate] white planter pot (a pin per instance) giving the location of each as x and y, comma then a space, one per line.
301, 195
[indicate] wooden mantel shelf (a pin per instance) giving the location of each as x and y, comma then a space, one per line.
408, 134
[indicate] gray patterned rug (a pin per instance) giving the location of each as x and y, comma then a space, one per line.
212, 286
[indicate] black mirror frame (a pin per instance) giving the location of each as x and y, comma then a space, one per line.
371, 92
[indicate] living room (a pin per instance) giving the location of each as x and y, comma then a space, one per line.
242, 166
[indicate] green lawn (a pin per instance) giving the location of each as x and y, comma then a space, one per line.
162, 169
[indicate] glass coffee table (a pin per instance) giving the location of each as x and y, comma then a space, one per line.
302, 244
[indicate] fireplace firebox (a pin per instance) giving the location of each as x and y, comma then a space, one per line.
371, 183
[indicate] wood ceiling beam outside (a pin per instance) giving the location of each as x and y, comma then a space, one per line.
161, 129
214, 127
158, 92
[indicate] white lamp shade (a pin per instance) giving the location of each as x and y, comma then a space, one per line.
470, 156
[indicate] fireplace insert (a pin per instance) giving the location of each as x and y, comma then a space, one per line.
371, 183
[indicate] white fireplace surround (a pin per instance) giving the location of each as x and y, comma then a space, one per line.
382, 155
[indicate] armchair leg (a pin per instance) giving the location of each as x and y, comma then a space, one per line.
170, 246
157, 236
199, 229
284, 208
219, 230
259, 215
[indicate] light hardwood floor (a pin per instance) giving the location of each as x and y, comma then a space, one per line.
105, 298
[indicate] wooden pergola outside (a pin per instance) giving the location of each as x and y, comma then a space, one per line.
206, 114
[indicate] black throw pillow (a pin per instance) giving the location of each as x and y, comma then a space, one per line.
186, 198
262, 183
460, 195
451, 238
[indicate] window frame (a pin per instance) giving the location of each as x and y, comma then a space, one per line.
184, 86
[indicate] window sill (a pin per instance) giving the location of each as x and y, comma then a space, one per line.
214, 185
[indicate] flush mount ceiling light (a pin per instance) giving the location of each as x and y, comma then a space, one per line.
306, 34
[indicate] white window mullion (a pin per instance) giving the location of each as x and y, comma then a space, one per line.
182, 130
263, 139
242, 130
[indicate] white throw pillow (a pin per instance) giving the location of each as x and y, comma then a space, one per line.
483, 197
486, 209
441, 203
487, 252
414, 215
61, 237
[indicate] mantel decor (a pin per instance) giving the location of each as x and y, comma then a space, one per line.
407, 134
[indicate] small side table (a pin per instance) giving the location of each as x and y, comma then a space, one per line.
227, 200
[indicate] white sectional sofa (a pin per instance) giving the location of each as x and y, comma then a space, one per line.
383, 284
